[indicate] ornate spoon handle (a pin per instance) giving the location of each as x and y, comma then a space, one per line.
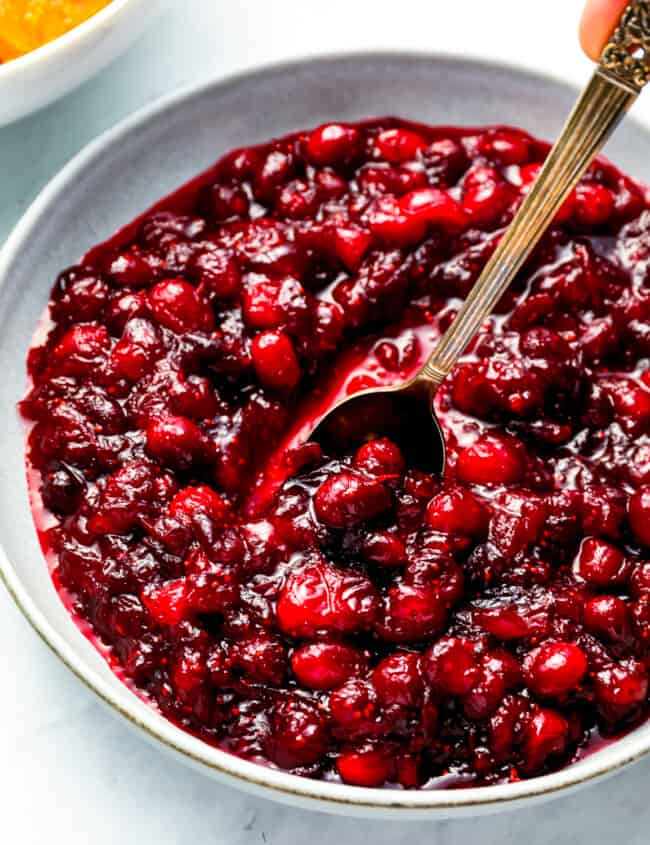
623, 70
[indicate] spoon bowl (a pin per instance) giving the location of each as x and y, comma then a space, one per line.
405, 414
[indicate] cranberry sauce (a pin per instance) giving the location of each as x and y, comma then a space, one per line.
356, 619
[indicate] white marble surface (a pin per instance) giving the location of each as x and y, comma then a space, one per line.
69, 772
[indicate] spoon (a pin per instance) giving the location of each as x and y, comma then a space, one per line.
405, 412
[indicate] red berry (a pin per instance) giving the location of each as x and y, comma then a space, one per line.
175, 441
275, 361
350, 245
332, 143
381, 458
555, 669
138, 349
505, 146
298, 734
593, 204
607, 617
458, 512
321, 598
326, 666
384, 549
202, 500
620, 689
598, 562
450, 666
393, 224
349, 499
368, 767
397, 680
177, 306
412, 612
545, 735
492, 459
167, 603
435, 208
399, 145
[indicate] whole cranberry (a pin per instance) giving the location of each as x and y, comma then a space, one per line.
298, 734
638, 512
393, 224
546, 734
381, 458
332, 143
326, 666
298, 200
133, 269
412, 612
397, 680
607, 617
435, 208
79, 295
598, 562
275, 361
399, 145
620, 689
175, 441
445, 161
593, 204
451, 666
62, 489
261, 657
348, 499
492, 459
218, 274
137, 351
123, 306
371, 766
505, 146
191, 501
126, 498
322, 598
554, 669
353, 705
486, 196
176, 305
384, 549
80, 350
487, 693
458, 511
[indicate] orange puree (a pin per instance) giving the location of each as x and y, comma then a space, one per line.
28, 24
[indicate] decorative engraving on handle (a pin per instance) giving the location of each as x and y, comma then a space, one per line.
627, 54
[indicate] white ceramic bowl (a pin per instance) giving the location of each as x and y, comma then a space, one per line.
39, 77
147, 156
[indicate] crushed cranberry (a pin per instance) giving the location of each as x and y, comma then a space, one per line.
357, 619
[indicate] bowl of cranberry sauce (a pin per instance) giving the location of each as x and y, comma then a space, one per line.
355, 620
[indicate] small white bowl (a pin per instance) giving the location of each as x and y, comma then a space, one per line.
120, 175
37, 78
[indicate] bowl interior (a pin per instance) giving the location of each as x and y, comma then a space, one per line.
118, 177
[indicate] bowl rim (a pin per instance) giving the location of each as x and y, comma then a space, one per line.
57, 46
275, 783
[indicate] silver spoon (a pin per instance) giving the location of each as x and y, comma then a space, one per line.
405, 412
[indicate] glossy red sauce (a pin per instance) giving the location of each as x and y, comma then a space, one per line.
354, 618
